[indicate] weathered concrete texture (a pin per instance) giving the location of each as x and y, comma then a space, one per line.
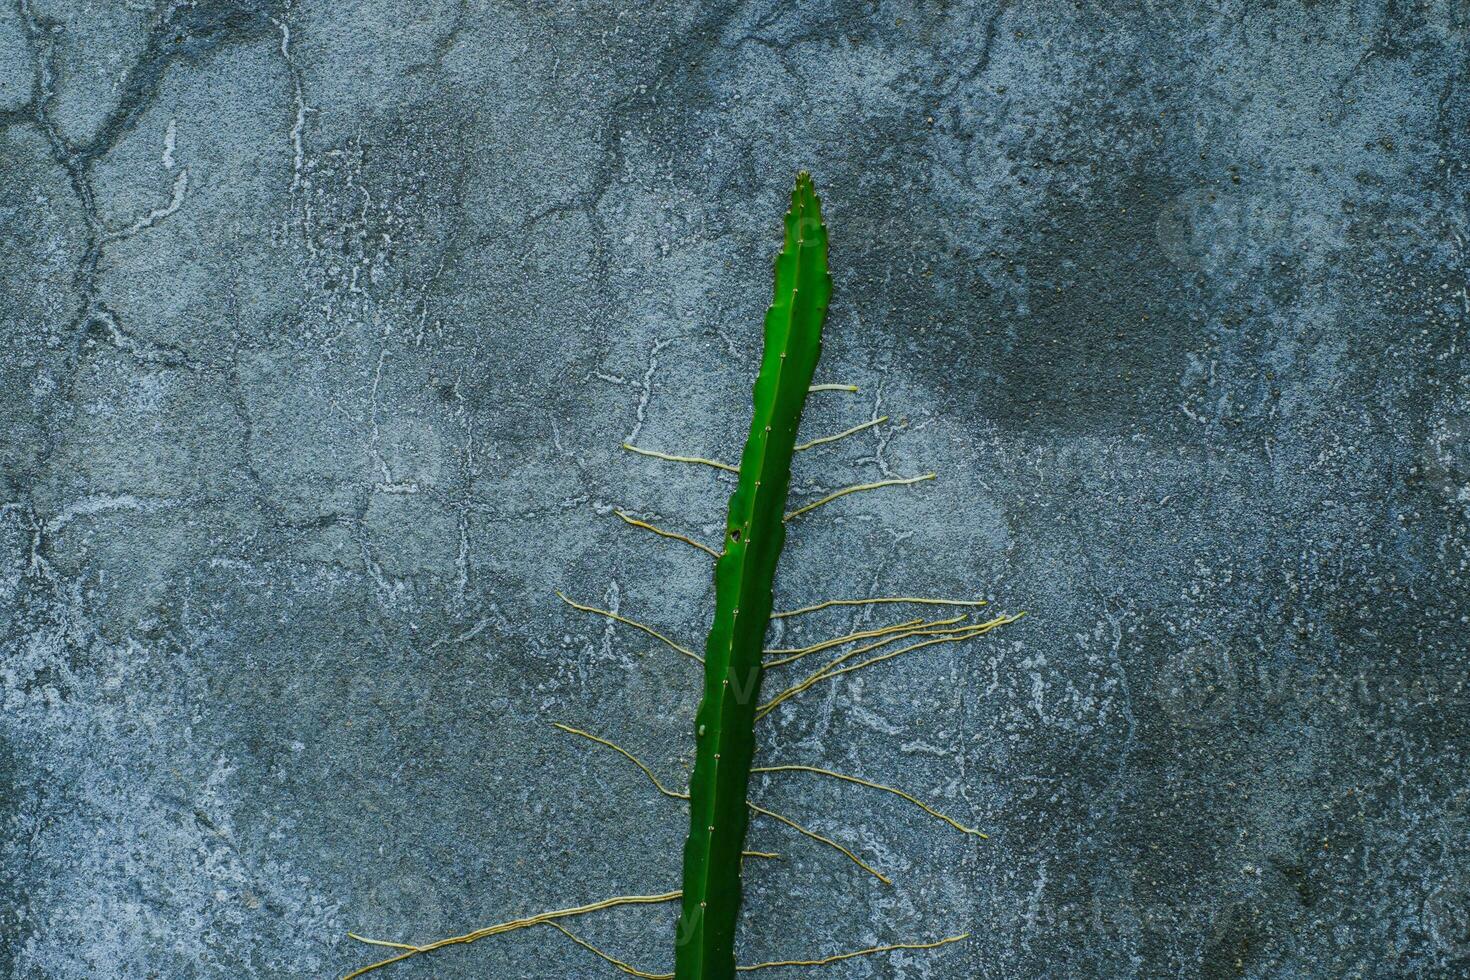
323, 323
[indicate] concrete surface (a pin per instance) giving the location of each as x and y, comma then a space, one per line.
322, 325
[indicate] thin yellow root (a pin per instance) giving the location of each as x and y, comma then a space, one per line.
627, 968
837, 641
835, 668
887, 789
979, 630
382, 942
503, 927
850, 389
919, 628
633, 623
652, 778
907, 481
945, 629
881, 599
674, 535
633, 971
658, 785
672, 458
818, 837
841, 435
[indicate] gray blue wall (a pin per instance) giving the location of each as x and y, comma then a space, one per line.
323, 322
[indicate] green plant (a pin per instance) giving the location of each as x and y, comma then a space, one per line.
735, 656
744, 577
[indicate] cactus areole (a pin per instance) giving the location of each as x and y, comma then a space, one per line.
744, 573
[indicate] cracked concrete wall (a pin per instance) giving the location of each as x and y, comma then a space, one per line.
323, 324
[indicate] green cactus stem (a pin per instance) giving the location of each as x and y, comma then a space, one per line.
744, 574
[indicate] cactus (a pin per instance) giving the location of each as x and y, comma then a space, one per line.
745, 569
754, 533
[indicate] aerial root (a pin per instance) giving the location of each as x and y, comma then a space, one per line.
608, 743
409, 950
673, 535
860, 427
911, 627
627, 968
836, 667
857, 488
850, 389
885, 788
807, 832
383, 942
633, 623
979, 630
944, 628
915, 600
633, 971
672, 458
671, 794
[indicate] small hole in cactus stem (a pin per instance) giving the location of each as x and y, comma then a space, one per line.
735, 534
